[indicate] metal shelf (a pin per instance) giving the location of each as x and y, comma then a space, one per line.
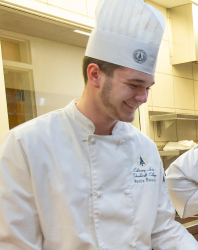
167, 155
172, 152
164, 121
166, 117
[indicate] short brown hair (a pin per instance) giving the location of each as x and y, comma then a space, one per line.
106, 67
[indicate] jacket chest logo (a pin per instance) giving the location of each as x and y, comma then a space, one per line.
143, 174
141, 161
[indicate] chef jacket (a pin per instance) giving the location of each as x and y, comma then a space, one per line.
65, 188
182, 180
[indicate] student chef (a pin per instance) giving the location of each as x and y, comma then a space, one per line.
82, 178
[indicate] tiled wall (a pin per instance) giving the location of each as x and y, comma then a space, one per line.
175, 91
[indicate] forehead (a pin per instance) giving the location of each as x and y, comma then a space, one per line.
128, 74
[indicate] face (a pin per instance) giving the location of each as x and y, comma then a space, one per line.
123, 93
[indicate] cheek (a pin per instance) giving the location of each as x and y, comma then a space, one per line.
119, 95
130, 93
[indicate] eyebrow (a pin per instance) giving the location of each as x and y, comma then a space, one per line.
137, 80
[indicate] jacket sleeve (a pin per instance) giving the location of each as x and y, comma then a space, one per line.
19, 223
182, 181
168, 234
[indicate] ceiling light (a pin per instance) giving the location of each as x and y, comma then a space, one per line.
42, 101
82, 32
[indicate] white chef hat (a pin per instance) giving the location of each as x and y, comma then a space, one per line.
127, 33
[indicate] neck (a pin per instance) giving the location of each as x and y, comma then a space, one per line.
103, 124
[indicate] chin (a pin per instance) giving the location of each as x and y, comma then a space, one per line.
127, 119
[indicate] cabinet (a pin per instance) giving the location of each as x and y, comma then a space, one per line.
18, 77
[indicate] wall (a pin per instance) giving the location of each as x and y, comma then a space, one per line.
175, 91
57, 75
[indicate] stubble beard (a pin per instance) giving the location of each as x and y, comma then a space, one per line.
105, 99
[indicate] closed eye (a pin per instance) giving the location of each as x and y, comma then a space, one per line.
134, 86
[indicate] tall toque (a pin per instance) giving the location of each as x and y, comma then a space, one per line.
127, 33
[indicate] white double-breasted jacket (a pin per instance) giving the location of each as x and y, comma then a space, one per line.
182, 180
64, 188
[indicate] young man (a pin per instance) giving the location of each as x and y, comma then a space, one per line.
82, 178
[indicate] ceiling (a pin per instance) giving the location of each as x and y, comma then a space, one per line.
41, 27
29, 24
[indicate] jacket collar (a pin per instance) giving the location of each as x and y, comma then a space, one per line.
82, 122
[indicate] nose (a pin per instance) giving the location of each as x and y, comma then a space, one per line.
142, 96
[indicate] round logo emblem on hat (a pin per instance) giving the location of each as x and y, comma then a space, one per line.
140, 56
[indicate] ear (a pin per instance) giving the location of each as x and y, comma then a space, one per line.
94, 74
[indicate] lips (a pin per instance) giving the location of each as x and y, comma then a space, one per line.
129, 105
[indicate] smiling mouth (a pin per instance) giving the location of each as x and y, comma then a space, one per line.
129, 105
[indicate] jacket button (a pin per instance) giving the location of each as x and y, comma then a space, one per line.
133, 245
93, 140
98, 194
127, 192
